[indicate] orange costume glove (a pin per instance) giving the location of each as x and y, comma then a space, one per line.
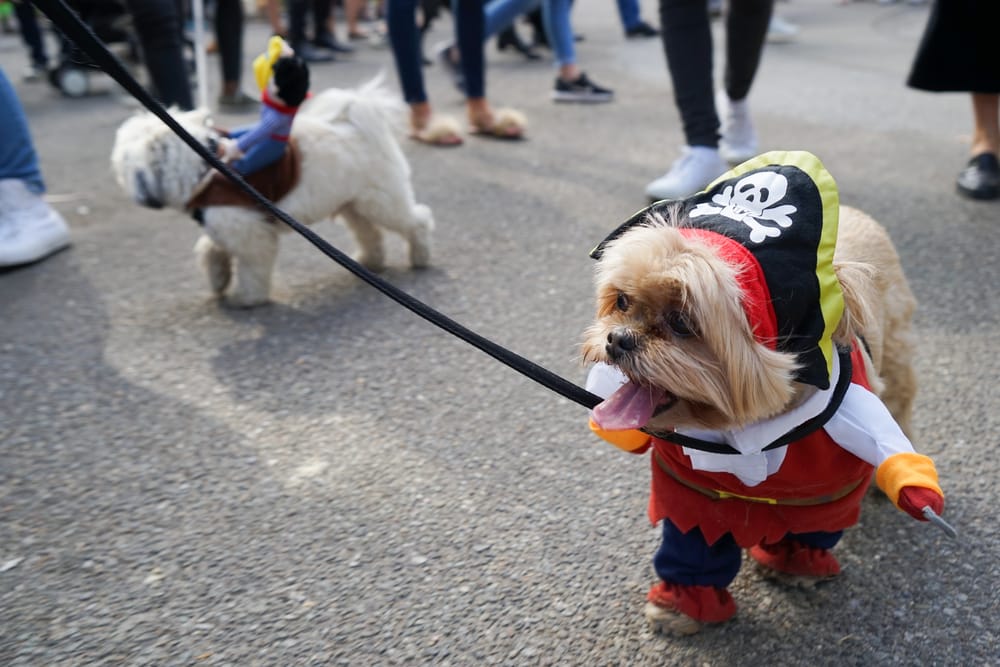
630, 440
911, 482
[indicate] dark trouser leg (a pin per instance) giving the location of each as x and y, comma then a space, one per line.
31, 34
687, 43
297, 10
746, 30
158, 24
470, 22
404, 38
229, 36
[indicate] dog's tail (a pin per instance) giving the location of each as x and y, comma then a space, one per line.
371, 108
335, 105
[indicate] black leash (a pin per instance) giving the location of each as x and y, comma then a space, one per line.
84, 38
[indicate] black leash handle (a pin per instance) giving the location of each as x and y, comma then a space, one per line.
85, 39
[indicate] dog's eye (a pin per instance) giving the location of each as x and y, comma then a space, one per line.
679, 324
622, 302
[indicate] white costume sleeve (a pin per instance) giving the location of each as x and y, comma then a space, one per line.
864, 427
604, 379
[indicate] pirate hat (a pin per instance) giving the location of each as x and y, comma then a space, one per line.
775, 216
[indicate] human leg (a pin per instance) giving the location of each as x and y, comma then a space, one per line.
746, 30
687, 44
572, 84
31, 34
404, 40
297, 14
628, 13
229, 21
272, 9
30, 229
18, 159
986, 119
158, 24
470, 25
324, 28
694, 576
981, 178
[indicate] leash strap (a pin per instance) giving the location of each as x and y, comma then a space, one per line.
85, 39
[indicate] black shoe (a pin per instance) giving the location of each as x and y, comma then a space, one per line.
311, 54
327, 41
509, 37
582, 90
642, 29
981, 179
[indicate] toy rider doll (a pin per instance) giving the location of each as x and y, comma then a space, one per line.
283, 78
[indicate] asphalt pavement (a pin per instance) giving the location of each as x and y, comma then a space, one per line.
330, 480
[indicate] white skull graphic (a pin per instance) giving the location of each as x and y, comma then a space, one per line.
751, 200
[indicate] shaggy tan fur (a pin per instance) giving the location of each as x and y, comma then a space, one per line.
721, 376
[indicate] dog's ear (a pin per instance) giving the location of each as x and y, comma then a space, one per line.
858, 282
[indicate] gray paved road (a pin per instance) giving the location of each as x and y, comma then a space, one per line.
330, 480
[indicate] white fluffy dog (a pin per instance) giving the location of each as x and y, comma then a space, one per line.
351, 165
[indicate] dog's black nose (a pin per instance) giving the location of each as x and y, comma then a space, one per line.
620, 342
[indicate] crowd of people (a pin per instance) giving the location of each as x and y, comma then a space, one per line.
954, 56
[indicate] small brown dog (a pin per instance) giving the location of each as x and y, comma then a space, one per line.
745, 335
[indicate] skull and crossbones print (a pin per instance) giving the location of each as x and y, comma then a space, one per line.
751, 201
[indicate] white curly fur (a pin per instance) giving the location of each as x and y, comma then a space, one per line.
352, 166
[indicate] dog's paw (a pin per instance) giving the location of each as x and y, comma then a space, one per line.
670, 621
216, 263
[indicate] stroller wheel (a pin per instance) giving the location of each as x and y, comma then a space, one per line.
72, 81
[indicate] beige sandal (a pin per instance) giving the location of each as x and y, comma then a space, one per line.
506, 123
439, 131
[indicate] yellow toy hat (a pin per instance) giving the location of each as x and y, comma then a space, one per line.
264, 63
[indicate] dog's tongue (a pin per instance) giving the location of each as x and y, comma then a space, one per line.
628, 408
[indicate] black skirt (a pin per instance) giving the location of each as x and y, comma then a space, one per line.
960, 49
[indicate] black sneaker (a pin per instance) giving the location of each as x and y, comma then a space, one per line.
581, 90
642, 29
981, 179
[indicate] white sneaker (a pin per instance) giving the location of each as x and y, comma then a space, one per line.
30, 229
780, 31
739, 140
695, 169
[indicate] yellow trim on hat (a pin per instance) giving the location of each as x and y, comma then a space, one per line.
831, 298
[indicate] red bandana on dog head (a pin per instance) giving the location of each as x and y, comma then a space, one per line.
776, 217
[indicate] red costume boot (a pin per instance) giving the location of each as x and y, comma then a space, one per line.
794, 563
682, 610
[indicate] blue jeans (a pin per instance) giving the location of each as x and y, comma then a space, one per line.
686, 559
555, 16
404, 37
17, 154
628, 12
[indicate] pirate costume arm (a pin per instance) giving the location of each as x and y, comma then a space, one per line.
864, 427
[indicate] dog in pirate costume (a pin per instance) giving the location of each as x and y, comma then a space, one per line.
755, 340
